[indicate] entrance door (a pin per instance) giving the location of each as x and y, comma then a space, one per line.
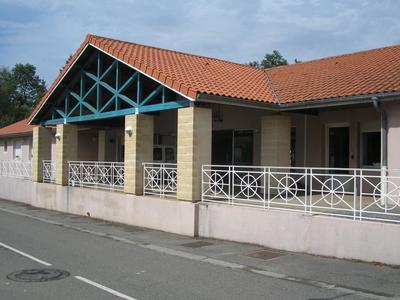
17, 155
338, 155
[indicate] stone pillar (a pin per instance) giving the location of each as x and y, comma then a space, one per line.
194, 150
41, 151
138, 149
66, 150
275, 141
101, 150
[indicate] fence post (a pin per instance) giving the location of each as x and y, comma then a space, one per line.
305, 190
361, 194
311, 189
269, 186
354, 194
230, 184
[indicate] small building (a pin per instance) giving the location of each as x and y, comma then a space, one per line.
16, 141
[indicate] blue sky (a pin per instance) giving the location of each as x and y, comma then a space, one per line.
46, 32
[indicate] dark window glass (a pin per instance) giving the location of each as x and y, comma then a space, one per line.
222, 147
243, 147
5, 145
169, 155
371, 142
157, 154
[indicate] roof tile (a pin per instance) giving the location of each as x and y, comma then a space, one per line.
361, 73
16, 128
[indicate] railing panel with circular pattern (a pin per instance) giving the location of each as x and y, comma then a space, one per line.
372, 194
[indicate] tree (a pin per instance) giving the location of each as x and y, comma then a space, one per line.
270, 60
20, 90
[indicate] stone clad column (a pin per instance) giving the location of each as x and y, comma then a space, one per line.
275, 140
66, 150
194, 150
138, 149
41, 151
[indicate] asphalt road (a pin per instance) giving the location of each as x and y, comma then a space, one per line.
102, 267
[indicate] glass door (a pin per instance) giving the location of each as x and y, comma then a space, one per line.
232, 147
338, 147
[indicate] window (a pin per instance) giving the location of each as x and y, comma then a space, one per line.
5, 145
169, 155
371, 148
157, 154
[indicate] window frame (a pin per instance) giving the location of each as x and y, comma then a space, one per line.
370, 130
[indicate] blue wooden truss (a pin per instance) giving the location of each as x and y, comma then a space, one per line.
103, 87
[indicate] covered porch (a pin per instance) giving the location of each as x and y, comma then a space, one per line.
111, 126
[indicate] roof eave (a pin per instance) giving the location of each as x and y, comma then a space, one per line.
214, 99
16, 134
310, 104
338, 101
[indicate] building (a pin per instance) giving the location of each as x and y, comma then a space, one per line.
16, 142
319, 137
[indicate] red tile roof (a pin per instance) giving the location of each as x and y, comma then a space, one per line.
361, 73
17, 128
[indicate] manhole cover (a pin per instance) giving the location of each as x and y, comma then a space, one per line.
266, 254
198, 244
38, 275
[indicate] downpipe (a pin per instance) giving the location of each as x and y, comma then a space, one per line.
384, 164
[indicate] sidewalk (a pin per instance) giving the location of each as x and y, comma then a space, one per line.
361, 279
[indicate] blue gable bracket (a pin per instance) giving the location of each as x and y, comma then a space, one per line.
103, 88
122, 112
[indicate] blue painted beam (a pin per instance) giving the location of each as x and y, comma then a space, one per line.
164, 106
119, 113
152, 95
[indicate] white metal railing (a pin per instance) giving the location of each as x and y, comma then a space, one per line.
49, 171
93, 174
159, 179
16, 168
354, 193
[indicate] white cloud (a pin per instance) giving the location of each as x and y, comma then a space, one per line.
46, 32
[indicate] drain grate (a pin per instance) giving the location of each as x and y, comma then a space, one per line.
266, 254
38, 275
198, 244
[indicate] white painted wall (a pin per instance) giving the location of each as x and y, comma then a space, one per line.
319, 235
26, 148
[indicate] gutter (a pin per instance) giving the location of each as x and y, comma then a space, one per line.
207, 98
321, 103
378, 107
384, 164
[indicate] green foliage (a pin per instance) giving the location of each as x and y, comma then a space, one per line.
20, 90
270, 60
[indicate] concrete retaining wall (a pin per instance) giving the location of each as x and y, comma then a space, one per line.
14, 189
150, 212
320, 235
